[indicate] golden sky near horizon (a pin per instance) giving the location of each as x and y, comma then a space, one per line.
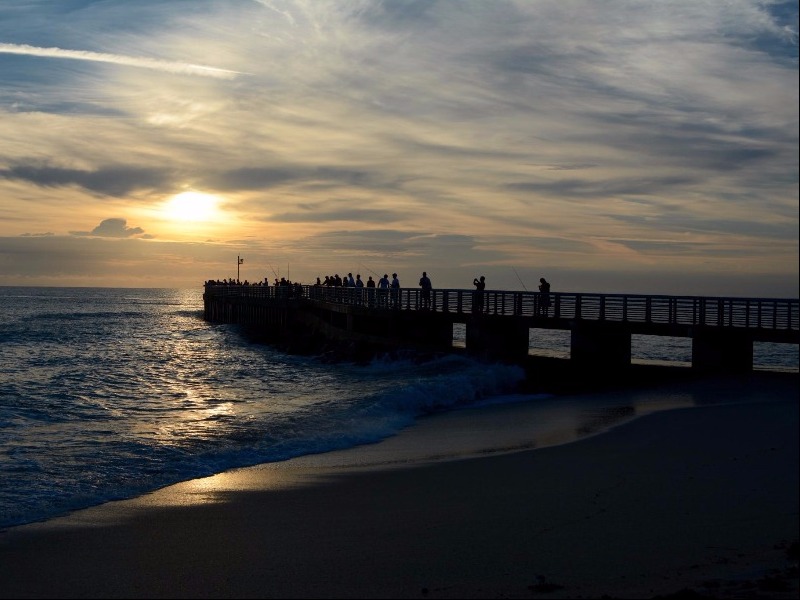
620, 146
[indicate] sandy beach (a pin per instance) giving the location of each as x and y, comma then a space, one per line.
702, 498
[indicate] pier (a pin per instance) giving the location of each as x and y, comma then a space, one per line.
498, 322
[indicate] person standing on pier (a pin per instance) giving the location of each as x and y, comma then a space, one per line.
395, 285
544, 300
348, 283
480, 285
383, 290
426, 285
371, 291
359, 291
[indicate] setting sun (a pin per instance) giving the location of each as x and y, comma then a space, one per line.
191, 206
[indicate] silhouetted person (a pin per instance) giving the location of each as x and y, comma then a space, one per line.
359, 291
383, 290
480, 285
371, 291
427, 286
395, 287
544, 299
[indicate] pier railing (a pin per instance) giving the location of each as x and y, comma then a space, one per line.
766, 314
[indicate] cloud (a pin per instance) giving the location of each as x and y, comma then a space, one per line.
108, 180
129, 61
589, 188
778, 232
352, 215
400, 248
259, 178
113, 228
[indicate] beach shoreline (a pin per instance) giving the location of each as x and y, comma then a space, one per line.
703, 498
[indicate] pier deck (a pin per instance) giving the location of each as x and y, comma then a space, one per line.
497, 322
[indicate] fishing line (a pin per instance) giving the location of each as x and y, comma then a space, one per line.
520, 279
370, 270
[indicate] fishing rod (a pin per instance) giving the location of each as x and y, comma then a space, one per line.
520, 279
370, 270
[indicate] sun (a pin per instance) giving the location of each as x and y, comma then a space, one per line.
191, 206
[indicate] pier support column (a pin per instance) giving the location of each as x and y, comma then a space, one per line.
722, 351
501, 338
598, 345
427, 329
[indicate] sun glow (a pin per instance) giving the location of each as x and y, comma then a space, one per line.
191, 206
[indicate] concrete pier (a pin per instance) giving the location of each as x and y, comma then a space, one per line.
601, 326
724, 350
600, 344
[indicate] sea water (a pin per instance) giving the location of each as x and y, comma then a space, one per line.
110, 393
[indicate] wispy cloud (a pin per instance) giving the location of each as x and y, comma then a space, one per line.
117, 59
106, 180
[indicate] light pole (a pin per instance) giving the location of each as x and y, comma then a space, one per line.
239, 261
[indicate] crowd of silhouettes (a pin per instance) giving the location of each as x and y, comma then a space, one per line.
384, 293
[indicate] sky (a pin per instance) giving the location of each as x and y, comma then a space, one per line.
622, 146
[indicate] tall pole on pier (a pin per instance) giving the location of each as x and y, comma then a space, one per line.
239, 261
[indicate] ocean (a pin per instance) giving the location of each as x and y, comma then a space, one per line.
109, 393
